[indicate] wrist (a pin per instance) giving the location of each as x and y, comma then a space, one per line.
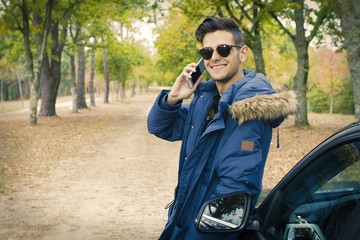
171, 99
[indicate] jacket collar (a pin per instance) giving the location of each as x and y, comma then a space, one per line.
265, 107
259, 106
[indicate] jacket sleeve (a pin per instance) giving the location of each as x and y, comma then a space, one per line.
242, 159
167, 121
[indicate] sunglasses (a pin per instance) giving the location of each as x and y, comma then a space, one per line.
223, 50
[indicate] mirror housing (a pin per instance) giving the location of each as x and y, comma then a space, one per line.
228, 213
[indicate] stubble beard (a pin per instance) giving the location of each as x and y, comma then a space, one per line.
227, 78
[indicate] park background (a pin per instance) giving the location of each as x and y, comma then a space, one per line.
76, 160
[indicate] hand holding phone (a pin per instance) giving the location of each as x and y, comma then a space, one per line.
178, 91
200, 68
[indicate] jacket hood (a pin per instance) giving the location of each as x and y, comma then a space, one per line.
265, 107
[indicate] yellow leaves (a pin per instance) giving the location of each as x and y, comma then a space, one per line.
328, 69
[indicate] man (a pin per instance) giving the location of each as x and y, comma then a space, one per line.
225, 131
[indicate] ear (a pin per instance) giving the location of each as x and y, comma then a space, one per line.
244, 51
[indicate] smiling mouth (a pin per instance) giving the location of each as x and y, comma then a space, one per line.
218, 67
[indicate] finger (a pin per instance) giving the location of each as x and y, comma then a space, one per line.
188, 70
198, 81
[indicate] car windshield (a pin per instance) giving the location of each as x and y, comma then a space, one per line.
317, 202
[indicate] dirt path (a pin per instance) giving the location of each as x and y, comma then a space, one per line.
117, 192
100, 175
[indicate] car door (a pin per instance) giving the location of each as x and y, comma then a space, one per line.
319, 198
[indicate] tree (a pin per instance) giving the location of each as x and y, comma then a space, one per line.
5, 77
26, 17
51, 70
300, 13
92, 76
72, 49
176, 45
74, 108
13, 68
349, 12
80, 90
328, 72
39, 27
85, 25
280, 57
119, 15
106, 74
121, 61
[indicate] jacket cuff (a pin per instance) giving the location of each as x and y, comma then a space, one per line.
163, 104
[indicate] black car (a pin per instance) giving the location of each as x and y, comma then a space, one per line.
318, 199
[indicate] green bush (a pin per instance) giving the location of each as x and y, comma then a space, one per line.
318, 100
344, 102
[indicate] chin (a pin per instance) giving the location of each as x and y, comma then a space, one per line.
217, 77
221, 79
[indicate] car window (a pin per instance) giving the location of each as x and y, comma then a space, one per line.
347, 180
320, 202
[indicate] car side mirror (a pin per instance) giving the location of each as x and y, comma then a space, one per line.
228, 213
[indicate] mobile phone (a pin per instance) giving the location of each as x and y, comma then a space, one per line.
200, 68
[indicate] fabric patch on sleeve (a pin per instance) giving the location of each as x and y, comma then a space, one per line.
247, 145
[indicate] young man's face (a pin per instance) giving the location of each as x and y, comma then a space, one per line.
224, 70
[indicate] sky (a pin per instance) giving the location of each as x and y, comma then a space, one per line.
145, 33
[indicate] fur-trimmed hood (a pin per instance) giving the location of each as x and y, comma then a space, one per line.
265, 107
253, 97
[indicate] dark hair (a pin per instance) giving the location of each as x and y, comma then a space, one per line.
212, 24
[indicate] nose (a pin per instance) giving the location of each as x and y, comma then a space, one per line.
215, 56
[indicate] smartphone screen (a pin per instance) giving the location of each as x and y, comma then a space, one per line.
195, 75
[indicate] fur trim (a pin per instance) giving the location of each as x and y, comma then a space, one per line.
265, 107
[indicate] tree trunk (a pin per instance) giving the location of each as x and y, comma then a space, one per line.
1, 94
116, 91
33, 81
123, 91
41, 46
256, 46
51, 72
48, 89
33, 102
133, 90
91, 80
349, 11
73, 84
251, 34
81, 100
107, 78
301, 77
331, 105
138, 87
21, 92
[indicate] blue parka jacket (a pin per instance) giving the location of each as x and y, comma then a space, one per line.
229, 155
